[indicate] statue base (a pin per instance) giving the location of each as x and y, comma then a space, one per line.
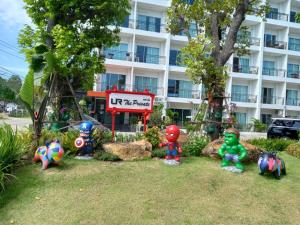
232, 169
84, 157
171, 162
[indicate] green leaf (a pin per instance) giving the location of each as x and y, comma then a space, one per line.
26, 92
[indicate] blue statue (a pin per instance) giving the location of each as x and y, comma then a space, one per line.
85, 142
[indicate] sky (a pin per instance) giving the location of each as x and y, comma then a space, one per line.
12, 19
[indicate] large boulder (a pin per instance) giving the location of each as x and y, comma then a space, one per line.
211, 150
129, 151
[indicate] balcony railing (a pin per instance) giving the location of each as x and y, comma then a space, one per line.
103, 86
245, 69
148, 58
272, 100
120, 55
274, 72
150, 26
159, 91
277, 16
294, 47
275, 44
293, 101
237, 97
293, 74
185, 93
251, 40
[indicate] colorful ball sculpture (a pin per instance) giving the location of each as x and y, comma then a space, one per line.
232, 151
51, 153
269, 163
174, 148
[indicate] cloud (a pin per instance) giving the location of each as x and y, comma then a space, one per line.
13, 14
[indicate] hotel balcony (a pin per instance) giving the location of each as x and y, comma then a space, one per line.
293, 74
275, 44
237, 97
272, 100
277, 16
184, 93
158, 91
293, 101
245, 69
273, 72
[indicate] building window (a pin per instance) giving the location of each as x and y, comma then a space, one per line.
174, 58
273, 14
239, 93
270, 40
241, 65
147, 54
148, 23
268, 68
109, 80
266, 119
142, 83
183, 115
291, 97
268, 95
241, 119
294, 44
117, 52
126, 22
180, 88
192, 30
293, 16
293, 70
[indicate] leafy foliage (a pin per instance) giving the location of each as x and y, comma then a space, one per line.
271, 145
156, 116
258, 126
158, 152
106, 156
152, 135
11, 150
195, 145
294, 149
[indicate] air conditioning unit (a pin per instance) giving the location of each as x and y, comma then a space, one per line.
196, 95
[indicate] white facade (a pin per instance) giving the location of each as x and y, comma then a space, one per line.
264, 84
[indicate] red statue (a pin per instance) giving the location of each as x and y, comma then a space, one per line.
174, 149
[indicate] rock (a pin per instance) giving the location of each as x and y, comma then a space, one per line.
129, 151
211, 150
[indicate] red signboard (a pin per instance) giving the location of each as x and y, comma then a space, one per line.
129, 101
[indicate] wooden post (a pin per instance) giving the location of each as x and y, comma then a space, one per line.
145, 120
113, 115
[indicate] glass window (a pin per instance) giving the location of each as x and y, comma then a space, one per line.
269, 68
239, 93
266, 118
117, 52
126, 22
147, 54
291, 97
174, 58
293, 16
294, 44
142, 83
293, 71
270, 40
296, 124
109, 80
148, 23
183, 115
268, 96
241, 65
273, 13
241, 118
180, 88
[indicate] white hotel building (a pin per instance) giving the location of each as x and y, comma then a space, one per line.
263, 85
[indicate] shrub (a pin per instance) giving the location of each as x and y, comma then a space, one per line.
271, 144
258, 126
294, 150
11, 150
68, 139
152, 135
158, 152
105, 156
194, 146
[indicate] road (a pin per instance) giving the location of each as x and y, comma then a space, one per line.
19, 123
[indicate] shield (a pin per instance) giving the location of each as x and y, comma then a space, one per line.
79, 142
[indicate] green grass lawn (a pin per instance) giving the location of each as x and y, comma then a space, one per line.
149, 192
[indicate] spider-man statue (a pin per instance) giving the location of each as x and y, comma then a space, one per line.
174, 148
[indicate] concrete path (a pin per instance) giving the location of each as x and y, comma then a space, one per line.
19, 123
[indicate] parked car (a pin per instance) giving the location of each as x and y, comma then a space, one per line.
284, 128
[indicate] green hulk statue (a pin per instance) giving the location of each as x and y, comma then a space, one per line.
232, 150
